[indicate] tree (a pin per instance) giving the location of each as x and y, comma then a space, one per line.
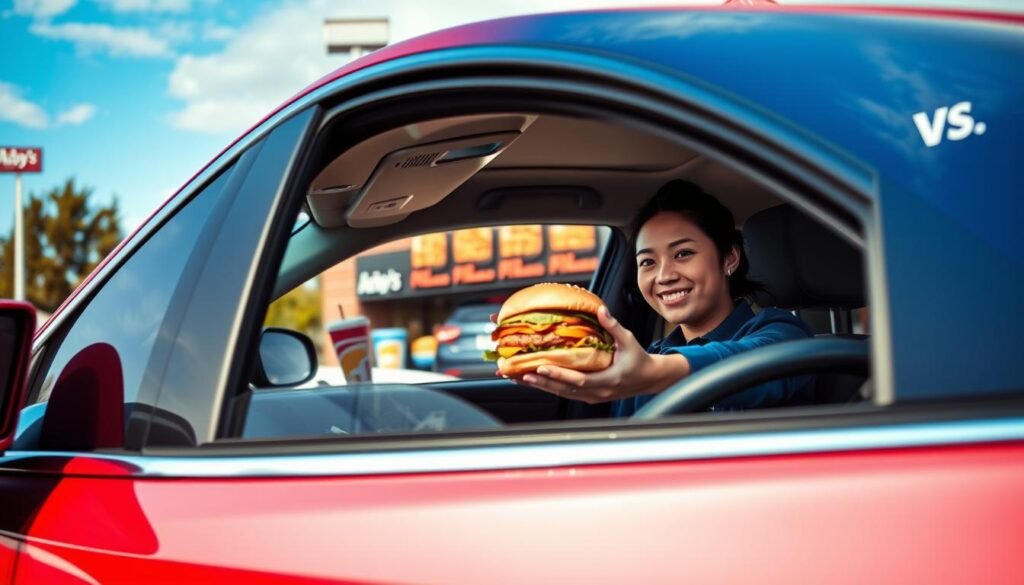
299, 310
66, 236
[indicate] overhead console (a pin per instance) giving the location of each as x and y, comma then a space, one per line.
384, 179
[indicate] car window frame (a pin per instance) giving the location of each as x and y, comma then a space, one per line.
845, 189
190, 388
341, 109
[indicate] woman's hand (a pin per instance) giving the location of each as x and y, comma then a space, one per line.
633, 371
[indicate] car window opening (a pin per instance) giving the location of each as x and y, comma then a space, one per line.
402, 322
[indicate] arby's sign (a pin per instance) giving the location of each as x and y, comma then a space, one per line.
16, 159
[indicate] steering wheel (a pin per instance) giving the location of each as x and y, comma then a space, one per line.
741, 372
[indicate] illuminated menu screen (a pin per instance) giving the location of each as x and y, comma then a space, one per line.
482, 259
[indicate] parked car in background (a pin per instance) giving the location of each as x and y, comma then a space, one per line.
463, 339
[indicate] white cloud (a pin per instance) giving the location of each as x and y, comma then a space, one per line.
43, 8
14, 108
127, 42
76, 115
277, 54
217, 32
175, 31
281, 51
147, 5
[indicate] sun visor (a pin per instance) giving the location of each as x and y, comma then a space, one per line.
418, 177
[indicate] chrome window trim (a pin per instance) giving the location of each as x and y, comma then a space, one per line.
609, 451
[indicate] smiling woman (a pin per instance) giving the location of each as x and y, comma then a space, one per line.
692, 270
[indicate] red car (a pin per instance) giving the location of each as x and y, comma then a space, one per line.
153, 431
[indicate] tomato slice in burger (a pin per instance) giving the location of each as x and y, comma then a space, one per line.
510, 330
574, 331
519, 329
570, 320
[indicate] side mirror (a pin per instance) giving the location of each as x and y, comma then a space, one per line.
17, 326
287, 358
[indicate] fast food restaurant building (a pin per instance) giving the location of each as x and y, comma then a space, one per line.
416, 283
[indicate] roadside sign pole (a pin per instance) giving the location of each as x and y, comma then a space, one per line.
18, 160
19, 242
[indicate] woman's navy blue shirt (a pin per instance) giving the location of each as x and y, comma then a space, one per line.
741, 331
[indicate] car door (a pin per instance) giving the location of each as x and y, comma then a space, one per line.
908, 493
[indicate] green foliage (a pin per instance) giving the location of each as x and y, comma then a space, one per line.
299, 310
66, 236
549, 317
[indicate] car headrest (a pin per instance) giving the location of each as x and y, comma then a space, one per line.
801, 263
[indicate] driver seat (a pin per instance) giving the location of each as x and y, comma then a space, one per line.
805, 268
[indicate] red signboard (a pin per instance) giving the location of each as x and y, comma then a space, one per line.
16, 159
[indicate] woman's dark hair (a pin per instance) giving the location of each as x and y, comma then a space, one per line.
713, 218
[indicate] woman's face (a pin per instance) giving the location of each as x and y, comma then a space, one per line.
681, 275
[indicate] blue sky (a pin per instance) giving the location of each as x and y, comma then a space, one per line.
93, 89
131, 97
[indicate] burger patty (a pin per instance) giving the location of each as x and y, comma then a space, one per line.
538, 340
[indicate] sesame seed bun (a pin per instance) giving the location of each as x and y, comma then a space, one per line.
550, 296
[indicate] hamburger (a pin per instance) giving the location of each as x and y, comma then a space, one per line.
550, 324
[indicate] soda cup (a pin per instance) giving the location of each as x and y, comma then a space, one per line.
351, 339
389, 347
